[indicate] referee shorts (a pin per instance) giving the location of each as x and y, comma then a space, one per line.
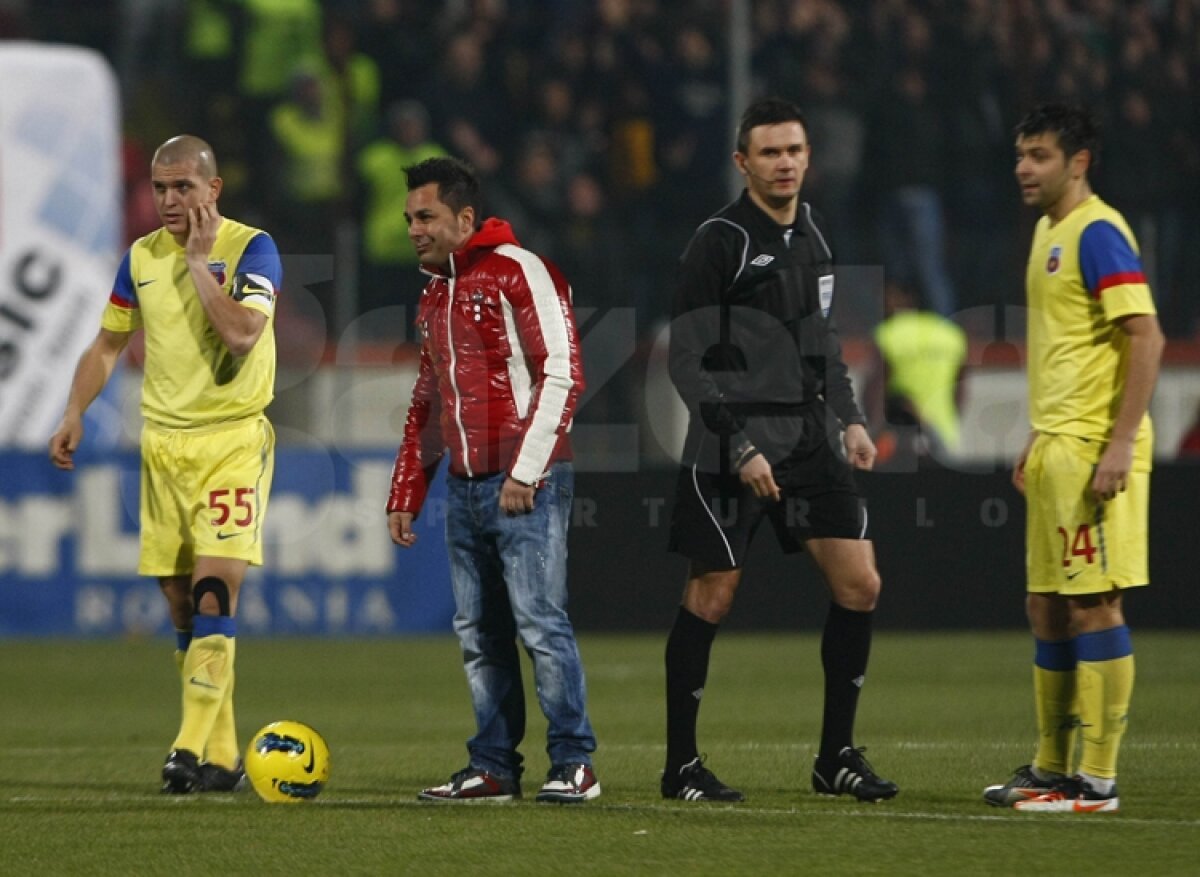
714, 518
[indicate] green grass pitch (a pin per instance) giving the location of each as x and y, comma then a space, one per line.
84, 727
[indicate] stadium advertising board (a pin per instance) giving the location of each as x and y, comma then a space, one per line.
60, 225
69, 547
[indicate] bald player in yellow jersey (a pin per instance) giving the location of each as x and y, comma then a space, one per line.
202, 288
1093, 356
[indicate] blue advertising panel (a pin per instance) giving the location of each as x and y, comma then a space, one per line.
69, 548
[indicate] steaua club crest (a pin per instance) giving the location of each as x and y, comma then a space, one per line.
217, 270
1055, 260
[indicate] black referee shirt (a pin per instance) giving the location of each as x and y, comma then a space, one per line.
753, 343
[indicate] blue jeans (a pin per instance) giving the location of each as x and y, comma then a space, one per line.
509, 574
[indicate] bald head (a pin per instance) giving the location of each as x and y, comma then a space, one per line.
184, 149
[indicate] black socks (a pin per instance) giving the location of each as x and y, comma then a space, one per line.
688, 649
845, 648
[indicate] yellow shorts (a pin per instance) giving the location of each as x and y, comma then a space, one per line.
204, 494
1075, 545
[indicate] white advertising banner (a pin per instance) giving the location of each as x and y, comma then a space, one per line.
60, 225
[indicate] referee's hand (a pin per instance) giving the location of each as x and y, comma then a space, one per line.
860, 450
756, 473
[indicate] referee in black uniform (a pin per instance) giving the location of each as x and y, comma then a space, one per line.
755, 356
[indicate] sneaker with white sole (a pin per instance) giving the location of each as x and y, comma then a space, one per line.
1072, 795
851, 774
1023, 785
569, 784
474, 786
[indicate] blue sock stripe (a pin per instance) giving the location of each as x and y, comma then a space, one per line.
209, 625
1055, 654
1104, 645
183, 639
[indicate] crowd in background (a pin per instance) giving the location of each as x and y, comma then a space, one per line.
602, 127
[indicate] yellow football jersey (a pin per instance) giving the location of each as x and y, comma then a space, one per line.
191, 379
1084, 273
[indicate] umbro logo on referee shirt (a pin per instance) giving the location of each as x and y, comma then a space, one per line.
762, 261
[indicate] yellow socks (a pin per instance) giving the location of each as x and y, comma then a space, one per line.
1106, 674
222, 746
207, 676
1054, 698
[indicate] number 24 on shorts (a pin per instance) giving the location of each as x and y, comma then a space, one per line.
1080, 546
243, 501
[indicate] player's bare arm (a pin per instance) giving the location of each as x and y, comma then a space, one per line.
860, 450
91, 374
238, 327
1145, 350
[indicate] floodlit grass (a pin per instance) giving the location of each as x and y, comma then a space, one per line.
84, 727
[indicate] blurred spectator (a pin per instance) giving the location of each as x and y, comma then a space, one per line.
555, 122
1178, 250
1135, 181
276, 38
907, 140
978, 191
917, 381
388, 254
589, 236
398, 35
632, 94
633, 176
692, 159
210, 33
832, 179
355, 77
467, 106
308, 192
534, 200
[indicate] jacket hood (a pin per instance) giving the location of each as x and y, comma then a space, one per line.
492, 233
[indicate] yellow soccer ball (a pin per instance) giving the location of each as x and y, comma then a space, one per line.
287, 762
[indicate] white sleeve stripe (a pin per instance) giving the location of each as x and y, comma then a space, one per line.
541, 435
519, 377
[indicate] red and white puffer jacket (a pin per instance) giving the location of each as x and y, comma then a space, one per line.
500, 371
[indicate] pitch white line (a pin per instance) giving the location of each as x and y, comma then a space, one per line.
838, 810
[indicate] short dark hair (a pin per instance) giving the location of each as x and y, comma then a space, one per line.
767, 111
458, 186
1074, 126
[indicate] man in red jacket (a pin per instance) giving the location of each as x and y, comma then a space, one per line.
499, 378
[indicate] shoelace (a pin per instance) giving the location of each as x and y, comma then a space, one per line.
860, 760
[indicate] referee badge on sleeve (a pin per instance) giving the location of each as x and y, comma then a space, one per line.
826, 293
